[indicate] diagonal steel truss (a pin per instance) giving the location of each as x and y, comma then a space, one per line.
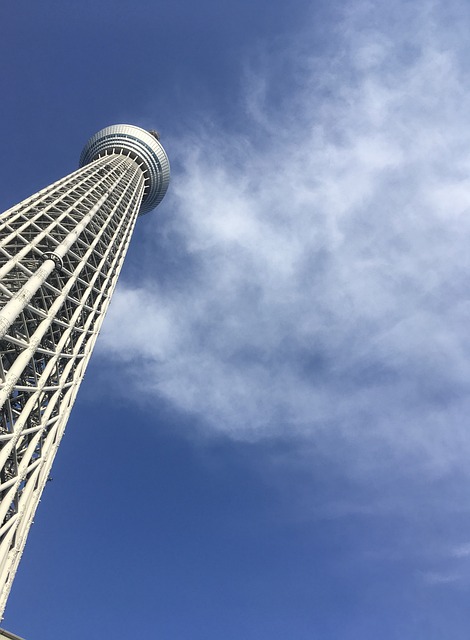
61, 251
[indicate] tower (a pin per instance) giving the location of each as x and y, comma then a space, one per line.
61, 251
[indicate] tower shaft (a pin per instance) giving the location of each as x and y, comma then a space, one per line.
61, 251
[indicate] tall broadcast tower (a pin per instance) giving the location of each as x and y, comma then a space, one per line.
61, 251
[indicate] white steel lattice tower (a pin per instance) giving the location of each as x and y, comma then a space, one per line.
61, 251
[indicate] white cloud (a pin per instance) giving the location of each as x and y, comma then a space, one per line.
325, 253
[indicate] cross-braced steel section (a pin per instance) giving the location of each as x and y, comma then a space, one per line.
61, 252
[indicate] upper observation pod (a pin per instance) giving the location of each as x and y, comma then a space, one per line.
141, 145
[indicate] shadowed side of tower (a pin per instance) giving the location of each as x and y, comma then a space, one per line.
61, 252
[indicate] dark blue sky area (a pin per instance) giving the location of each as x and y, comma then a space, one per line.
96, 63
149, 534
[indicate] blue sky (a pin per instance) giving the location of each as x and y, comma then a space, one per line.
272, 437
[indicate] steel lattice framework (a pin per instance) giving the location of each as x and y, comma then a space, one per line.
61, 251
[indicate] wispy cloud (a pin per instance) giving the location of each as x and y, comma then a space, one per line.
435, 578
322, 256
461, 551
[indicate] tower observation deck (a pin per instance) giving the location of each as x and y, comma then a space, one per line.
61, 251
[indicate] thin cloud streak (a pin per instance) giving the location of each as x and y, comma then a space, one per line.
326, 265
436, 579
